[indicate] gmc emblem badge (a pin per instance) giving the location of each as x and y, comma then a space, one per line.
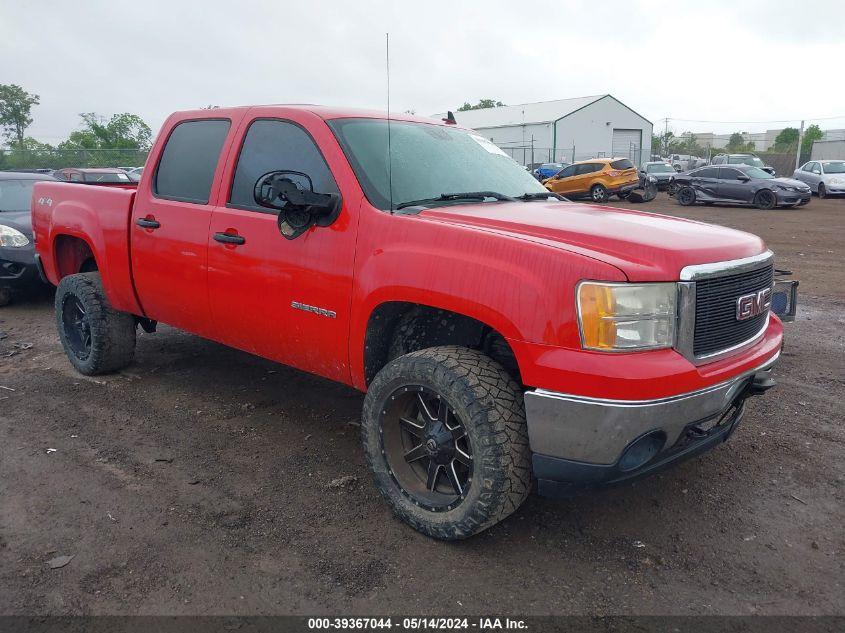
751, 305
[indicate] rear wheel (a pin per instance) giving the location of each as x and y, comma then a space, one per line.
97, 338
765, 199
444, 435
686, 196
598, 193
822, 190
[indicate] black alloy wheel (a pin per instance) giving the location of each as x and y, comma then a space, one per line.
76, 327
686, 196
765, 199
427, 448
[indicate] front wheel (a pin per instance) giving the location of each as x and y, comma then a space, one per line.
445, 437
598, 193
765, 199
5, 297
97, 338
686, 196
822, 190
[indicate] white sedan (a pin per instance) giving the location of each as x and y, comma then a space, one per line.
825, 177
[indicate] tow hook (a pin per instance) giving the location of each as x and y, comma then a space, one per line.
760, 385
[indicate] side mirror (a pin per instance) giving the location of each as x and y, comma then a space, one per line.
292, 194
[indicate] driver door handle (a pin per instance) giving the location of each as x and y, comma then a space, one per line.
148, 223
228, 238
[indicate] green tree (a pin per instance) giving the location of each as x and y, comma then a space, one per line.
662, 144
737, 145
811, 134
15, 108
122, 131
786, 140
481, 105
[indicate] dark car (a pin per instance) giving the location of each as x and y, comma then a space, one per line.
739, 184
95, 175
663, 173
742, 159
18, 272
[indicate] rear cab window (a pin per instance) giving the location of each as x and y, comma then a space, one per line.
622, 163
185, 171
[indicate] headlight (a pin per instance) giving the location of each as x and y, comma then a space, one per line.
619, 317
837, 181
12, 237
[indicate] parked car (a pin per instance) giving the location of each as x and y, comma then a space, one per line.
596, 179
135, 173
18, 272
547, 170
739, 184
742, 159
663, 173
825, 177
92, 175
500, 334
685, 162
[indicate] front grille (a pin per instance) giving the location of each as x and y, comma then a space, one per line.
716, 326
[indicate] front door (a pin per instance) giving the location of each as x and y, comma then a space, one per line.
288, 300
733, 185
170, 220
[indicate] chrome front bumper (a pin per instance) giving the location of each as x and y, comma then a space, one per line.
596, 432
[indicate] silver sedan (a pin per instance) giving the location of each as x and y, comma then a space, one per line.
825, 177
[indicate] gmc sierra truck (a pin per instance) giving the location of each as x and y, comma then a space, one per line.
503, 335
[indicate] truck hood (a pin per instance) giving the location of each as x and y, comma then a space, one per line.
644, 246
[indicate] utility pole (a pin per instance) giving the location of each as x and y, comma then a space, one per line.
532, 149
798, 151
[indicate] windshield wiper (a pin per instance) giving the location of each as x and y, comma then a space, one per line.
540, 195
446, 197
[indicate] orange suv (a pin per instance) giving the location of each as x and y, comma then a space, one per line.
597, 178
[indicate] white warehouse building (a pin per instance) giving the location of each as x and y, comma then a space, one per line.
600, 126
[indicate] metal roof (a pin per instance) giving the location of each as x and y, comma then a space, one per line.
525, 113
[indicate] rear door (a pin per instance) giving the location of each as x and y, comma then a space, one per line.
170, 220
288, 300
705, 181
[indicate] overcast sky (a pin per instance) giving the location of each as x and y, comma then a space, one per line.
713, 60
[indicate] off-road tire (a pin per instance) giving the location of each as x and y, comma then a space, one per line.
490, 405
112, 333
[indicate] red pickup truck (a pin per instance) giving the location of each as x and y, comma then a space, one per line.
502, 334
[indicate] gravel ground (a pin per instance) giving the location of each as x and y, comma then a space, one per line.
202, 480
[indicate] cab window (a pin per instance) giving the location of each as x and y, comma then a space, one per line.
186, 169
566, 173
274, 145
707, 172
729, 173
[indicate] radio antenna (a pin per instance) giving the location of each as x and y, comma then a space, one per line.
389, 154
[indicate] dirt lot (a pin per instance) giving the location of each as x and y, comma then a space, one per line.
207, 481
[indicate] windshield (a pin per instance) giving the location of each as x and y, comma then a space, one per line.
834, 168
756, 172
746, 160
427, 160
659, 169
557, 166
15, 195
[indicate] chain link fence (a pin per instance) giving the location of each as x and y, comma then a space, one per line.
54, 158
522, 154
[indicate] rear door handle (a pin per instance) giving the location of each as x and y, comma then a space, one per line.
148, 223
228, 238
